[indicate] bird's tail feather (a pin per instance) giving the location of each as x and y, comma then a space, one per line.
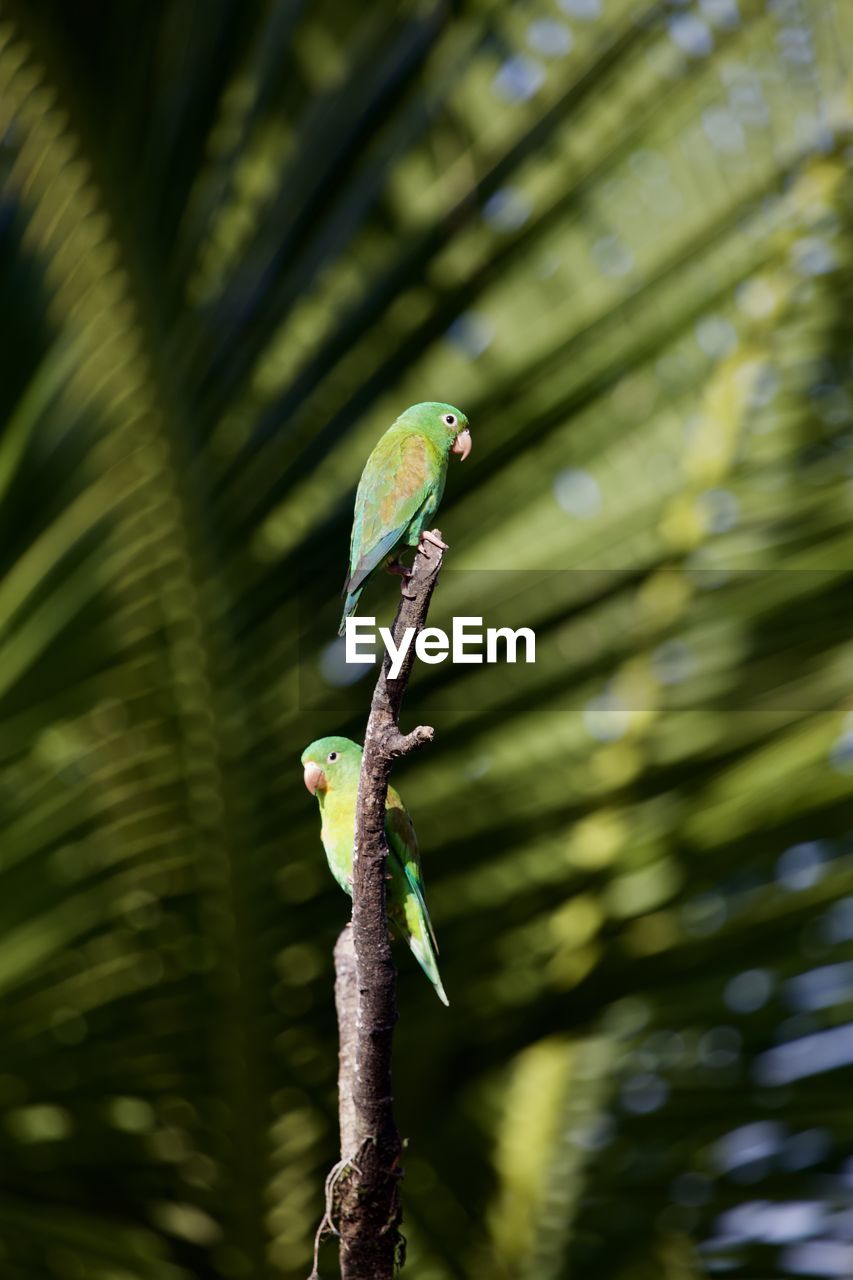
350, 606
423, 952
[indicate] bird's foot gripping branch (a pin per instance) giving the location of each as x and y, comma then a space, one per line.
363, 1204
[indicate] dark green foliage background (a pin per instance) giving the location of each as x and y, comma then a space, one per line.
235, 240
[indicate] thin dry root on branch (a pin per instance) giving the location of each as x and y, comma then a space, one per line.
327, 1222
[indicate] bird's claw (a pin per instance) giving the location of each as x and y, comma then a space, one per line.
430, 535
399, 570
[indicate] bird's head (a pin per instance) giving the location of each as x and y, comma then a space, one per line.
444, 421
329, 763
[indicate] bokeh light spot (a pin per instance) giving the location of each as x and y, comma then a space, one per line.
691, 34
578, 493
801, 866
549, 38
749, 991
612, 256
519, 79
644, 1093
586, 10
506, 210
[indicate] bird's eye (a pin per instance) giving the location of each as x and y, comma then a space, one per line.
332, 757
450, 419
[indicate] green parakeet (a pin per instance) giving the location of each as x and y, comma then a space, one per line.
332, 767
400, 490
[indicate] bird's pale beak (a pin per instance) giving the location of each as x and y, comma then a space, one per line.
462, 444
315, 778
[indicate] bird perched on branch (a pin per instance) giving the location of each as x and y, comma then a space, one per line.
332, 767
399, 492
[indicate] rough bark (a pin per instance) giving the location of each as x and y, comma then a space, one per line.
363, 1201
346, 1004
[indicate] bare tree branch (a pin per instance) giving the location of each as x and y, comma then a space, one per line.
363, 1201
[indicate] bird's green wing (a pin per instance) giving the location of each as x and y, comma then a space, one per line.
403, 844
406, 906
399, 478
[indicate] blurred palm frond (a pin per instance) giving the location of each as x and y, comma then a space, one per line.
234, 241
